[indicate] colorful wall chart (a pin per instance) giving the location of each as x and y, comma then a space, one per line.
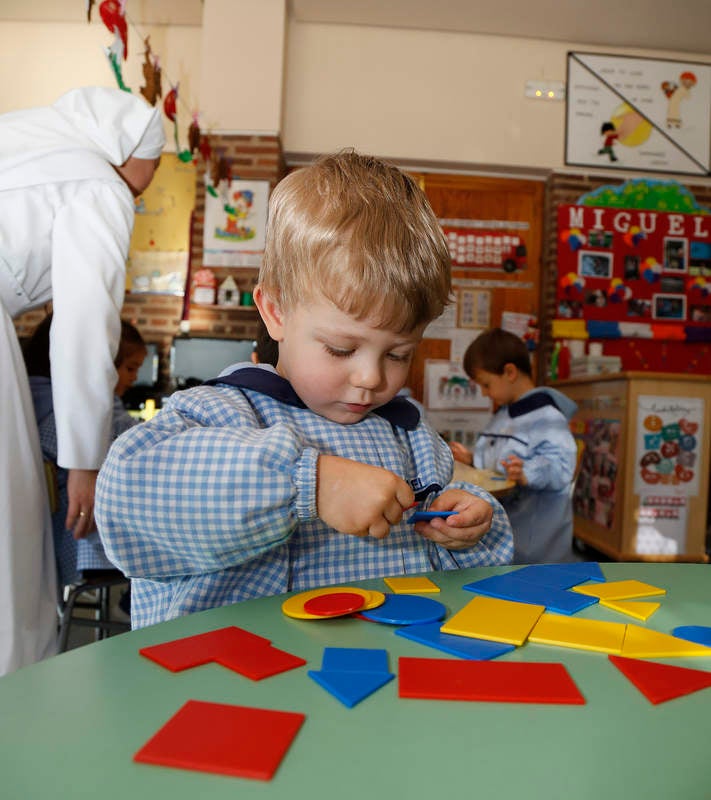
638, 114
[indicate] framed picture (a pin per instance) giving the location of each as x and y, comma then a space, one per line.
594, 265
675, 255
631, 113
669, 306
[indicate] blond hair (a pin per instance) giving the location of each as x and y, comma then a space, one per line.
362, 233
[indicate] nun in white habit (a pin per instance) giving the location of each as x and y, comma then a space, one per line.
68, 174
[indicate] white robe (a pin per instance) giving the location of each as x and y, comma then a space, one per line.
65, 226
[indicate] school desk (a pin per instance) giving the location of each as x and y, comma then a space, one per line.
71, 725
493, 482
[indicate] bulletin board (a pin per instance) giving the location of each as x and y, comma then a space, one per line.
628, 270
160, 244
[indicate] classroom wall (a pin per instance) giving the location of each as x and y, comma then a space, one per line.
410, 94
427, 94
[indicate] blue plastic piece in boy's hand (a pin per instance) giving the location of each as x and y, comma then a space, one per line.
418, 516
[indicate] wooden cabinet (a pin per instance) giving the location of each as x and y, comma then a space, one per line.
643, 485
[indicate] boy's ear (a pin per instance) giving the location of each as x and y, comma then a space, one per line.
270, 313
510, 372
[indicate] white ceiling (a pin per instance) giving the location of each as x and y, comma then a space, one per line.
681, 26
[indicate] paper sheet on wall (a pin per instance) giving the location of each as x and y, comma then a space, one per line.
661, 524
669, 432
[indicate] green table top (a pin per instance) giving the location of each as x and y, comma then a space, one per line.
70, 725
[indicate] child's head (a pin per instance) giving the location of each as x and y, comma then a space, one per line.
131, 355
359, 233
499, 362
606, 128
354, 268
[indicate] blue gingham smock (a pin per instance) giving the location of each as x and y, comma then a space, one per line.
214, 500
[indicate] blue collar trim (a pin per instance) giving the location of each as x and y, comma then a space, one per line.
399, 411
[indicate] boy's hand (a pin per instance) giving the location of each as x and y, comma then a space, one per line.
460, 530
360, 499
513, 467
461, 453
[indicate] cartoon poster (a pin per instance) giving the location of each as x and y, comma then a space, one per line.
633, 113
235, 224
669, 430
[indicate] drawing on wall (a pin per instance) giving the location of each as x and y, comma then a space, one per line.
447, 387
235, 224
633, 113
159, 249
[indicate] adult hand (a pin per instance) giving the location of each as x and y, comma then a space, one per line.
461, 453
460, 530
80, 490
360, 499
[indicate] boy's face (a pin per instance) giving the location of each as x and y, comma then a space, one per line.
128, 370
499, 388
341, 367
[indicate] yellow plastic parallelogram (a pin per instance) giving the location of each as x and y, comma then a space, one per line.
619, 590
411, 585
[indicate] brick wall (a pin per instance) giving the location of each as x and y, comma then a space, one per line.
158, 317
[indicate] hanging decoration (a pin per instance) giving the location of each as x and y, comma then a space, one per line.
113, 54
170, 109
113, 15
151, 74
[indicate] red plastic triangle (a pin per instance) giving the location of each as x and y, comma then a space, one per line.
661, 682
495, 681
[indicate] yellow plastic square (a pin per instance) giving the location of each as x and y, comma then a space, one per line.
495, 620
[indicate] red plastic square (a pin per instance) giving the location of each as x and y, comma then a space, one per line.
225, 739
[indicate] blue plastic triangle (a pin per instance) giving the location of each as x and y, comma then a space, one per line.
462, 646
350, 687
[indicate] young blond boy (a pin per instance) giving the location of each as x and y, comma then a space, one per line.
277, 479
529, 437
